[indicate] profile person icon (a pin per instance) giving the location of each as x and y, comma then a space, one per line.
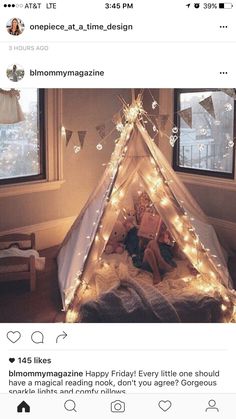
15, 27
212, 406
15, 73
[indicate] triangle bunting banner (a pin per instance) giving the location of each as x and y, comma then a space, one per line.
208, 105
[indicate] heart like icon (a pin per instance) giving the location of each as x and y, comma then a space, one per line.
165, 405
12, 360
13, 337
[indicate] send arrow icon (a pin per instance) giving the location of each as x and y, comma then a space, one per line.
61, 336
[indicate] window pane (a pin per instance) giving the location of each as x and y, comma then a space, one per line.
20, 142
209, 144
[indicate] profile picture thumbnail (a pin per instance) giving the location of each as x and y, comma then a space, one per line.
15, 26
15, 72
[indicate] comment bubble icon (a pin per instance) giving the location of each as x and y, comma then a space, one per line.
37, 337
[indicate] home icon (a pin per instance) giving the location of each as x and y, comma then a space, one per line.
23, 407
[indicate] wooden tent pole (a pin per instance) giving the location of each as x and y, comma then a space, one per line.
133, 94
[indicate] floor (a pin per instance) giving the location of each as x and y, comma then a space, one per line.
19, 305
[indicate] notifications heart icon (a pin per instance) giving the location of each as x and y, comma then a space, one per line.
12, 360
13, 337
165, 405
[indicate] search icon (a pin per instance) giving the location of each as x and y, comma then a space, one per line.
70, 405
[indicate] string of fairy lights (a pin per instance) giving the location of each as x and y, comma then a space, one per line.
112, 169
209, 272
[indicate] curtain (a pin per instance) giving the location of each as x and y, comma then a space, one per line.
10, 109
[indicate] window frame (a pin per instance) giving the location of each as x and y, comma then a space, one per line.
41, 128
177, 119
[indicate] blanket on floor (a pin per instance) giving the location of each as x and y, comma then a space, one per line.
123, 293
129, 302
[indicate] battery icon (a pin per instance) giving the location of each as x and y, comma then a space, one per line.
225, 5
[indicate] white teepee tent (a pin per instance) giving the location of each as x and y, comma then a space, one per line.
137, 160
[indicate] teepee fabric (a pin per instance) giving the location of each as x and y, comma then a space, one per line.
137, 161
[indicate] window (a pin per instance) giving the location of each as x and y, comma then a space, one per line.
22, 144
206, 146
50, 154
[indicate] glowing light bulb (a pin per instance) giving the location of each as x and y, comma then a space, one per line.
119, 126
154, 104
178, 224
164, 201
213, 275
223, 307
132, 112
71, 316
193, 250
186, 237
114, 201
159, 181
186, 279
199, 264
77, 149
186, 249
